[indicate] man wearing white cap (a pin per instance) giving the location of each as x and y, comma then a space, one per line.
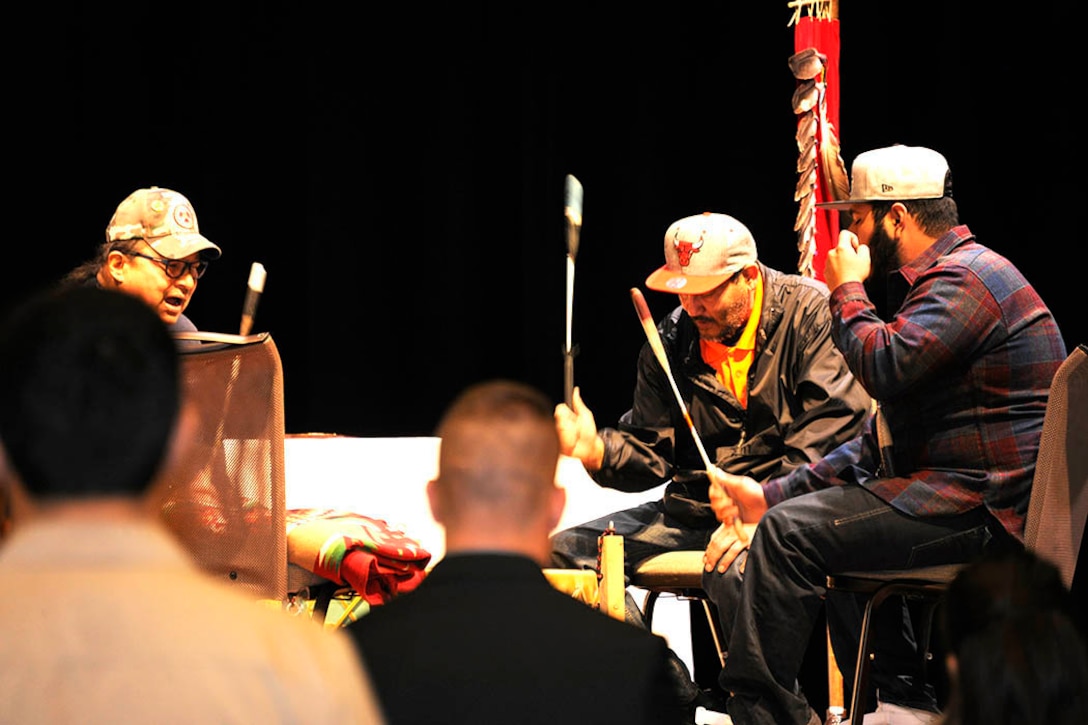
961, 369
153, 250
766, 390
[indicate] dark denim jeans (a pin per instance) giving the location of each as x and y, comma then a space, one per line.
770, 599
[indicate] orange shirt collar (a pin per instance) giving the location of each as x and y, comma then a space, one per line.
731, 364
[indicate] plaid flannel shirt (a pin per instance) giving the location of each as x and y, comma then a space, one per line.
962, 372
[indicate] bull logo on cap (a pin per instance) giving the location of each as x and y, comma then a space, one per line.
684, 249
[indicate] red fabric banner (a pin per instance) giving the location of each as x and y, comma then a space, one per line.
823, 35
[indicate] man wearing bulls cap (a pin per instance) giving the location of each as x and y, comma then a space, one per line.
767, 392
153, 250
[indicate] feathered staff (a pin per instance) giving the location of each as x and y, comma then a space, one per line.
821, 172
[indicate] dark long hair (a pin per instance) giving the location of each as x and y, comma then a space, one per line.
86, 272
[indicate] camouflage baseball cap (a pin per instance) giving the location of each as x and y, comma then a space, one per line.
164, 219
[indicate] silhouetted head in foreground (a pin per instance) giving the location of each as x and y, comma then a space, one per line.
1015, 653
496, 487
88, 393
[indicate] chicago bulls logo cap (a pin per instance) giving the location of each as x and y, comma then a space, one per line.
702, 252
164, 219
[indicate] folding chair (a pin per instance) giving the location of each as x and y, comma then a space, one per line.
225, 499
1054, 528
678, 573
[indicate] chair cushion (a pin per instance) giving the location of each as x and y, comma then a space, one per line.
681, 569
922, 578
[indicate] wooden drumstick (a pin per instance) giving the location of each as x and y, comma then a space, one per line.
654, 338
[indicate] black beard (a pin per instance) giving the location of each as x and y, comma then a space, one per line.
884, 253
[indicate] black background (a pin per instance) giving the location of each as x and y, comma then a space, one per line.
399, 171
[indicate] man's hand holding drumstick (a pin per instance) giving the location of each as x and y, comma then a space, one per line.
734, 499
578, 432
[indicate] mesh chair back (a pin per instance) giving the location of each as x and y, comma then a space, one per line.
1059, 498
225, 499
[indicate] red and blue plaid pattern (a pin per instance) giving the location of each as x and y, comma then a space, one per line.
962, 372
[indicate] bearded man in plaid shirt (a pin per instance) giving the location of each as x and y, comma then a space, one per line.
961, 370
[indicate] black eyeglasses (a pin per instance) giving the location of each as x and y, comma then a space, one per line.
176, 268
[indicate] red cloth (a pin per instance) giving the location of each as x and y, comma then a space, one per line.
376, 560
823, 35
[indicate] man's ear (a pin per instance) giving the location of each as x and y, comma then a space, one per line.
434, 500
899, 215
557, 503
750, 275
15, 503
952, 666
7, 473
115, 266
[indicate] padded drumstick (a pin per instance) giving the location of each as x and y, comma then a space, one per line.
572, 211
654, 338
254, 288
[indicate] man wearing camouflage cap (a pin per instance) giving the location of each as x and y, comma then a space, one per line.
767, 392
153, 250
